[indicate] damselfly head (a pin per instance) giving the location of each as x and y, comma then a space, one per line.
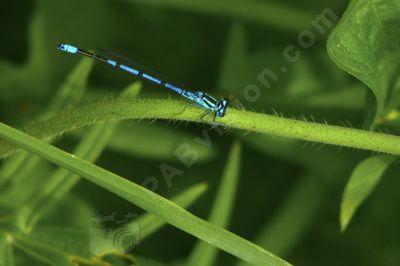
221, 107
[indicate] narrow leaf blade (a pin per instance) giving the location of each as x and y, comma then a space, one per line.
363, 180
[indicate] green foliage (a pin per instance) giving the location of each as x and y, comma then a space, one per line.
362, 181
307, 130
366, 43
145, 199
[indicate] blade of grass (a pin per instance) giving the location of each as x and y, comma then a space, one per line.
203, 254
149, 224
145, 199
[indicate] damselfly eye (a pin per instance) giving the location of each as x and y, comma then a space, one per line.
60, 46
222, 106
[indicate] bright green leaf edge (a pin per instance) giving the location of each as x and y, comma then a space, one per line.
149, 224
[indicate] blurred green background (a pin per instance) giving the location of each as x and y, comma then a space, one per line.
288, 189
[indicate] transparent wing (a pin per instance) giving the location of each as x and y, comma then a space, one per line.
124, 60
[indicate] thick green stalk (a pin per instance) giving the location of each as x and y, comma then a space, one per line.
118, 109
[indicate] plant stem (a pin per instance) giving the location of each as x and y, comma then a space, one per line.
317, 132
112, 110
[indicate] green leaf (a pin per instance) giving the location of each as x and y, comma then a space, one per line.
366, 44
145, 199
204, 254
364, 178
6, 250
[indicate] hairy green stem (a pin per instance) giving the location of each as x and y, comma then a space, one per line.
118, 109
